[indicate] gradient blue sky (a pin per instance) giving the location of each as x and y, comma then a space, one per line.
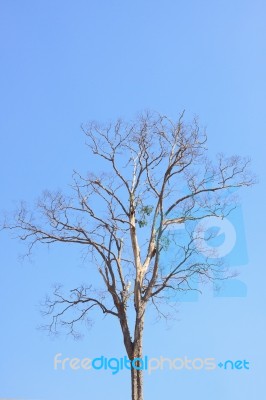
66, 62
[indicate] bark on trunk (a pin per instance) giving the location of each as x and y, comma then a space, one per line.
136, 384
137, 374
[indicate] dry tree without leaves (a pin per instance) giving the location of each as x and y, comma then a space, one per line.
158, 175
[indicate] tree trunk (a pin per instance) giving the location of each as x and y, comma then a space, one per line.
137, 374
136, 384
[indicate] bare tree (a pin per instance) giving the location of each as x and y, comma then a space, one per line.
157, 175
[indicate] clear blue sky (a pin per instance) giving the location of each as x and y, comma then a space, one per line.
66, 62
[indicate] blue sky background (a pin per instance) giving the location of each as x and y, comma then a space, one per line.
64, 63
